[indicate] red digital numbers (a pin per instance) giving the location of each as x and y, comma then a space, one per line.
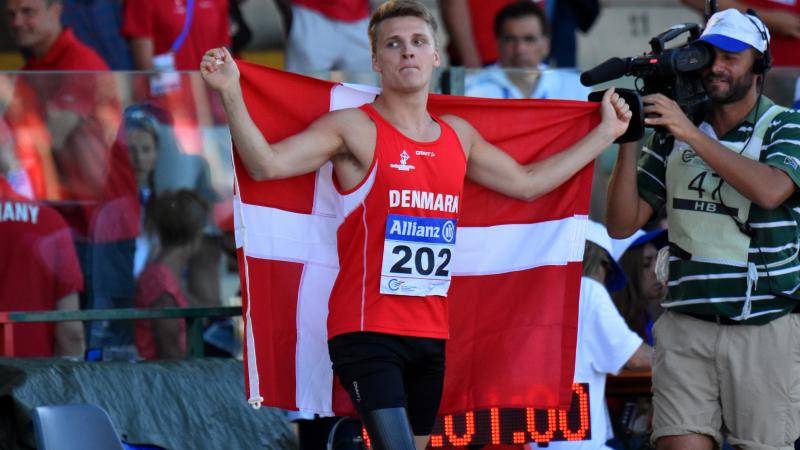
516, 425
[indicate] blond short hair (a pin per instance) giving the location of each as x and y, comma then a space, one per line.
399, 8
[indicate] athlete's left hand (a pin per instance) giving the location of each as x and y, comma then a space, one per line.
664, 111
615, 112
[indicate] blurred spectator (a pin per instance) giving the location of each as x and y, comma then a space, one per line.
142, 142
39, 270
179, 218
178, 167
160, 166
469, 26
170, 36
240, 31
141, 137
523, 40
174, 169
782, 18
640, 301
566, 18
96, 188
605, 345
173, 35
326, 35
31, 136
35, 26
98, 23
15, 173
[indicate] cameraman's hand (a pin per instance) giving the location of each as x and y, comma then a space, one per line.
219, 70
665, 112
615, 113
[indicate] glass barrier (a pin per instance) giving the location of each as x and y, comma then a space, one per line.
132, 178
129, 180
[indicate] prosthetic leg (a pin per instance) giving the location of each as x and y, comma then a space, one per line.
389, 429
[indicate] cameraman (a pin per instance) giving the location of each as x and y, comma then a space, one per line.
726, 355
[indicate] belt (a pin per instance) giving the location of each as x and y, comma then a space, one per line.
721, 320
714, 318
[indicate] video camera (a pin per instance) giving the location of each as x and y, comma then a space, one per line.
673, 72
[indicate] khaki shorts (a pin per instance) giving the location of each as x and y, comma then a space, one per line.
740, 380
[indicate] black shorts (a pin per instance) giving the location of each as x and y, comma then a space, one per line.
389, 371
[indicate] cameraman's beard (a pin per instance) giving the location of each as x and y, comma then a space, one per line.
738, 89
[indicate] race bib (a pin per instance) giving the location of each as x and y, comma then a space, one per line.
700, 206
417, 255
703, 210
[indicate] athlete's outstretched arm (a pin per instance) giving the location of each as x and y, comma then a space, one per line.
493, 168
296, 155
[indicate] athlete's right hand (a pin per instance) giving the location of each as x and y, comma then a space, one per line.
615, 113
219, 70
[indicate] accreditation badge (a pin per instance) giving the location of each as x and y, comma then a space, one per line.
417, 253
167, 79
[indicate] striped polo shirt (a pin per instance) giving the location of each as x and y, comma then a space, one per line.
712, 288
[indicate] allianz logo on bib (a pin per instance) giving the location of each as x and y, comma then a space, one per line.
421, 229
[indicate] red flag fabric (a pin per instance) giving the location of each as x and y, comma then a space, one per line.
516, 270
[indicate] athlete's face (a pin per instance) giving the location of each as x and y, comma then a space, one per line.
731, 77
405, 54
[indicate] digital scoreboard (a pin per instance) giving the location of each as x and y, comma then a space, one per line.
515, 425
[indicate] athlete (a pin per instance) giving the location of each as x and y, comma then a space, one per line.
397, 164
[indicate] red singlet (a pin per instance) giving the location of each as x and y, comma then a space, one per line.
397, 239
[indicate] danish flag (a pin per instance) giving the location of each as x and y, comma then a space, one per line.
516, 270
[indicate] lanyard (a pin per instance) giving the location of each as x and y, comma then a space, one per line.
186, 24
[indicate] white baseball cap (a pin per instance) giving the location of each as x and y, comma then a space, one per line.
732, 31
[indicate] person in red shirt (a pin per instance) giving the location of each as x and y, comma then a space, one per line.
470, 24
96, 186
39, 270
168, 36
179, 218
326, 35
154, 28
35, 26
782, 18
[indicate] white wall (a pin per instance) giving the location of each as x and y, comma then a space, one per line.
625, 27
